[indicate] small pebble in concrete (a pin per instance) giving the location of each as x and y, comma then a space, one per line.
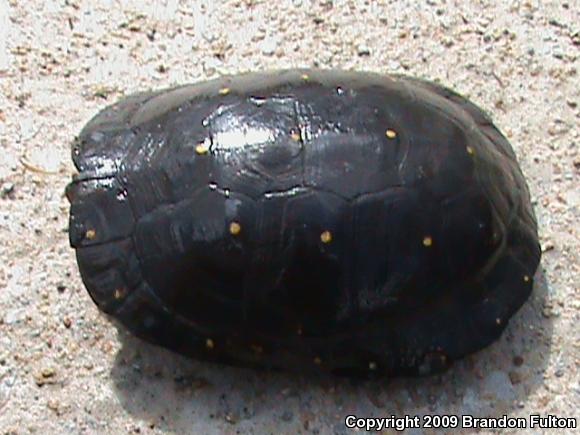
363, 50
7, 189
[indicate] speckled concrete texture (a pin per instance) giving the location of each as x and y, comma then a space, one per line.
64, 369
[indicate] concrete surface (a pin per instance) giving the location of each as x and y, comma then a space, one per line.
63, 367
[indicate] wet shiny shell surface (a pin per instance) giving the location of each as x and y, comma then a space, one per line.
304, 219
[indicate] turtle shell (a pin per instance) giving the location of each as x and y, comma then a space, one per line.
305, 220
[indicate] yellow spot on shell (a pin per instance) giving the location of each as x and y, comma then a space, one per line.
326, 237
235, 228
427, 241
224, 91
526, 278
317, 361
295, 136
119, 293
470, 151
391, 134
202, 148
209, 343
90, 234
372, 365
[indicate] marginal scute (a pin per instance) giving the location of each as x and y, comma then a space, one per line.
98, 215
110, 271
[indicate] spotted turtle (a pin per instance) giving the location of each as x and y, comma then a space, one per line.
304, 219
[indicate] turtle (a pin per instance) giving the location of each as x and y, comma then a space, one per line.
353, 223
